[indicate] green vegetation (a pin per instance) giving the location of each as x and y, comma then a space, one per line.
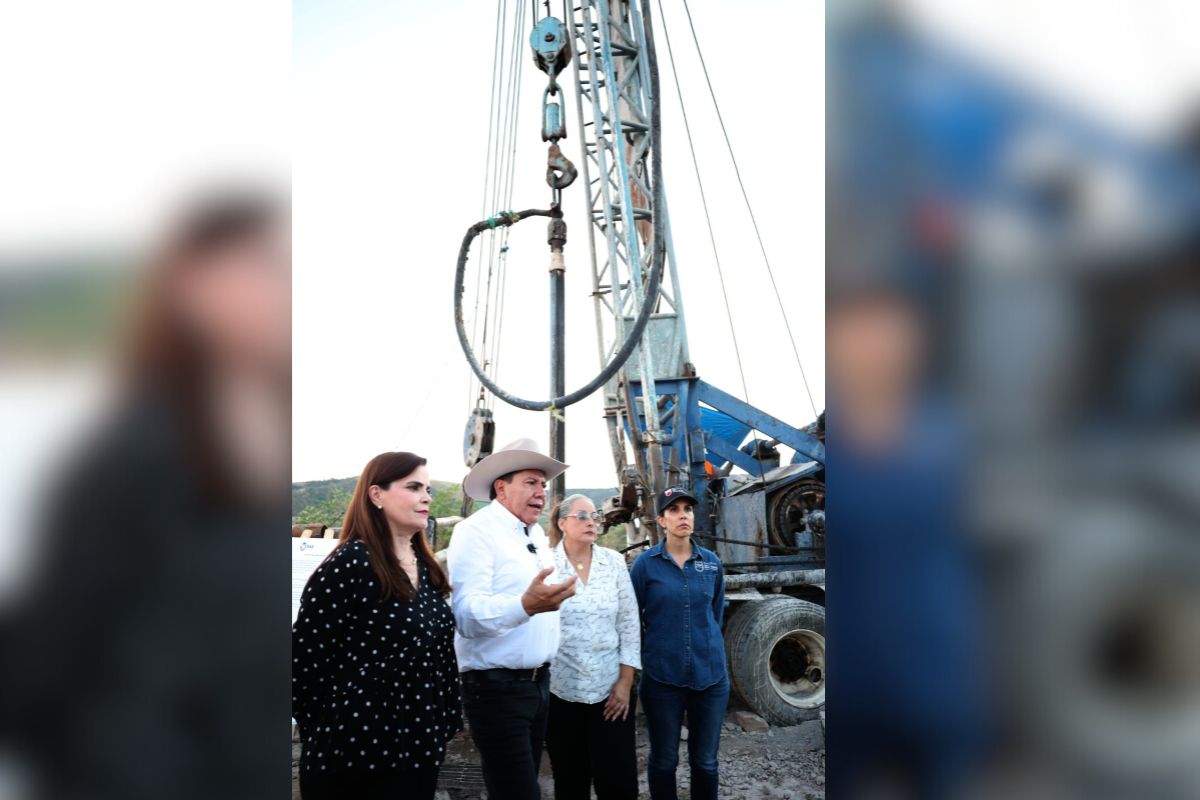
328, 511
309, 496
614, 538
324, 502
69, 303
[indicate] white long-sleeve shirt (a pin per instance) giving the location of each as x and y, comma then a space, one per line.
601, 629
490, 569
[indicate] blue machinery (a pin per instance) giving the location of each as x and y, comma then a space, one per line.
666, 426
652, 407
783, 534
912, 123
895, 96
653, 398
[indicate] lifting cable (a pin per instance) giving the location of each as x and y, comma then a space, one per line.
504, 162
499, 169
749, 209
501, 21
712, 238
502, 191
506, 193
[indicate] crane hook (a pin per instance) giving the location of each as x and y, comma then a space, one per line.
560, 172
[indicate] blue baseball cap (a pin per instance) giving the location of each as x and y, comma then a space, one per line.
670, 495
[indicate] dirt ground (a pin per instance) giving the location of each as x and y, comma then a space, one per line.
775, 764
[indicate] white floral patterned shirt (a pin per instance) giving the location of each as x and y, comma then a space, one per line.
600, 629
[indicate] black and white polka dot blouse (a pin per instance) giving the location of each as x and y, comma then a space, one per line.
374, 685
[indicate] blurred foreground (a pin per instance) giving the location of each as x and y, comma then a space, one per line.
1013, 356
143, 637
1014, 372
144, 400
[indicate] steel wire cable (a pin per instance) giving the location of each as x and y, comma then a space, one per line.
749, 208
487, 166
507, 193
505, 144
712, 238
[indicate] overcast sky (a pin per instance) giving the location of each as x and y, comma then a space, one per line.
392, 106
385, 126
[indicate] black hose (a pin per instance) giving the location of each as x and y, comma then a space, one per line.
658, 256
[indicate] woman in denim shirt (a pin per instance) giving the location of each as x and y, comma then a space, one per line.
680, 589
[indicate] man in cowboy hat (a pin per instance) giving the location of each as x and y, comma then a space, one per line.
507, 615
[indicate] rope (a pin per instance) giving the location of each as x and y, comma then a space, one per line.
712, 238
746, 197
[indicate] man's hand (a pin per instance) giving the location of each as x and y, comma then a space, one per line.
541, 597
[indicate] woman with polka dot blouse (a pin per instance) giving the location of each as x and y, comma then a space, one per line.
375, 687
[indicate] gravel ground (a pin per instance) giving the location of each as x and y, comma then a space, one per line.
775, 764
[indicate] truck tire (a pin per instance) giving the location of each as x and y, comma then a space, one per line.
776, 652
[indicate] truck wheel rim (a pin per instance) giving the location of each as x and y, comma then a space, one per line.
797, 668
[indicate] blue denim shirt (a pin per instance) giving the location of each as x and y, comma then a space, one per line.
681, 612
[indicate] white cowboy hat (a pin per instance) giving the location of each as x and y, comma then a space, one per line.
513, 457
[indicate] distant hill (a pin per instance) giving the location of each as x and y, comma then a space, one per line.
597, 496
323, 499
315, 493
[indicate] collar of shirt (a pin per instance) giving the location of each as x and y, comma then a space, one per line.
661, 548
506, 518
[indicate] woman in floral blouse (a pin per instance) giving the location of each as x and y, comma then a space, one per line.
590, 733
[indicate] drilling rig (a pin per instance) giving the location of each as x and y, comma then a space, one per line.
666, 425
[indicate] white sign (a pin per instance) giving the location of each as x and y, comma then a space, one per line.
307, 554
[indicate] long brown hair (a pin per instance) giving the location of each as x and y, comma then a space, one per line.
163, 359
366, 523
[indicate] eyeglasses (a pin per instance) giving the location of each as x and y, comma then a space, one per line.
584, 516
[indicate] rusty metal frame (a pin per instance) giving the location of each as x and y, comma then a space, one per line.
612, 105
